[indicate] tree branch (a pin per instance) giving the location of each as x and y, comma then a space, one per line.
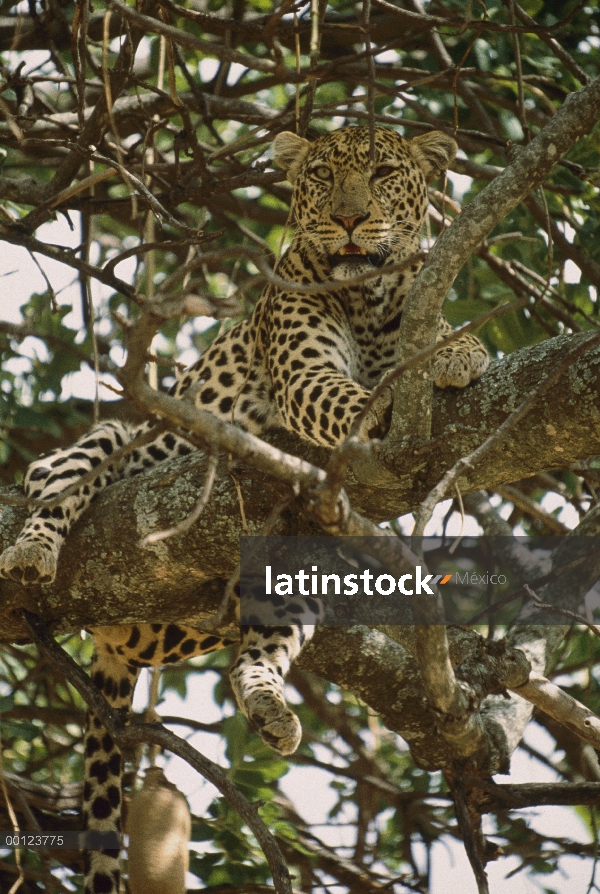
552, 700
563, 427
533, 163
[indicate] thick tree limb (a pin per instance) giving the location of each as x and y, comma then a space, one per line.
561, 422
102, 563
533, 163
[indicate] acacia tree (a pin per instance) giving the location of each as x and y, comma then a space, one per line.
147, 129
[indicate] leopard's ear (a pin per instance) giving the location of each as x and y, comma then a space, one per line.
289, 151
434, 151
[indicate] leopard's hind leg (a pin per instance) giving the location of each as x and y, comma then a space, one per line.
258, 680
33, 559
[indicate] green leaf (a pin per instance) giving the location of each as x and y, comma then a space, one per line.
19, 730
532, 7
175, 678
7, 703
235, 729
26, 417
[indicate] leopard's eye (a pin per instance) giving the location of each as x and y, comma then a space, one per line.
322, 172
384, 171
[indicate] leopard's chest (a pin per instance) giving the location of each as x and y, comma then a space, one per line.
375, 334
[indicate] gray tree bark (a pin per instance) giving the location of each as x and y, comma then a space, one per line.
103, 565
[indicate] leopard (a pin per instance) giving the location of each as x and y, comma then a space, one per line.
323, 334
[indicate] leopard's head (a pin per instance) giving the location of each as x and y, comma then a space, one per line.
355, 213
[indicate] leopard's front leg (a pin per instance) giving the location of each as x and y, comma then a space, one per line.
313, 376
258, 679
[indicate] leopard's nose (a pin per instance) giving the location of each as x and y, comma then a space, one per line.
349, 223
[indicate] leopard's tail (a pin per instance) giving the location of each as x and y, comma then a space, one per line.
102, 793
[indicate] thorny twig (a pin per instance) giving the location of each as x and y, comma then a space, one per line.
366, 23
520, 593
573, 616
159, 210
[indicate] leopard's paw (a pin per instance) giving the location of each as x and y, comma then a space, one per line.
272, 719
451, 370
454, 366
28, 562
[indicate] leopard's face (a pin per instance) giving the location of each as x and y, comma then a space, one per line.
357, 213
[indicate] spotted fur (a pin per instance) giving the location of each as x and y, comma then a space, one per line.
306, 361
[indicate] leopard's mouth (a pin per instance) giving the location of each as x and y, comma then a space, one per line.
354, 254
